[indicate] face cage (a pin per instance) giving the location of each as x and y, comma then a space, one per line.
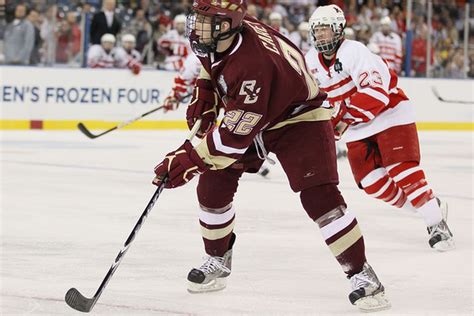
203, 49
326, 47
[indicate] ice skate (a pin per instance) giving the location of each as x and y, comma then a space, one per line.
367, 291
213, 273
441, 238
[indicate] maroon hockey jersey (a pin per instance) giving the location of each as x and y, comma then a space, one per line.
264, 83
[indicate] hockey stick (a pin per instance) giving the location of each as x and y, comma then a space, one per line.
79, 302
88, 133
435, 92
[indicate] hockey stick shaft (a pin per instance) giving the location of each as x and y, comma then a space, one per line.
441, 99
73, 297
88, 133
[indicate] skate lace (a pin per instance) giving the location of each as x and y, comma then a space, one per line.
213, 264
362, 280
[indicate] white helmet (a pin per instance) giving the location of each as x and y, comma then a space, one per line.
385, 20
275, 16
374, 48
304, 26
107, 38
349, 33
329, 15
129, 38
180, 18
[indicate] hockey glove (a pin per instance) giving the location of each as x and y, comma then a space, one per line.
136, 69
178, 92
204, 105
180, 165
134, 66
170, 104
339, 123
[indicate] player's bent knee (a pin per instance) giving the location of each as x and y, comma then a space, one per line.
321, 199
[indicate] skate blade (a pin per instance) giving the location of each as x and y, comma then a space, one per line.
215, 285
373, 303
444, 245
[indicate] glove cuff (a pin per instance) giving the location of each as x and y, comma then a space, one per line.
204, 84
194, 157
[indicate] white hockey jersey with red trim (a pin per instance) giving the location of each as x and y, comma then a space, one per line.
390, 49
363, 83
134, 54
185, 80
97, 57
176, 47
191, 69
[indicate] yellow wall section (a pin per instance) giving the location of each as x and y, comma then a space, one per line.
14, 124
164, 125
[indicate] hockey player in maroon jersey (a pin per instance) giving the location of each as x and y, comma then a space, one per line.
271, 104
377, 120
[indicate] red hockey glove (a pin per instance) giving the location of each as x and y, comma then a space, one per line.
339, 123
178, 92
180, 165
339, 109
136, 68
203, 105
170, 104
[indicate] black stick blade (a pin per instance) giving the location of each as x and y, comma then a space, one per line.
85, 131
78, 301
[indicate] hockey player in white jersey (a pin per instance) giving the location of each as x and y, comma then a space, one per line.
128, 44
276, 21
183, 83
106, 55
389, 43
377, 121
174, 45
300, 37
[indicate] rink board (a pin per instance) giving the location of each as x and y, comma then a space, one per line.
59, 98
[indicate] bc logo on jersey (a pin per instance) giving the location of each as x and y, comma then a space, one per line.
251, 93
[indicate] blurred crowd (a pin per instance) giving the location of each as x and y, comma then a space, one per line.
53, 32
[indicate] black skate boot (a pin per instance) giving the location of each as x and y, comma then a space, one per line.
368, 294
212, 274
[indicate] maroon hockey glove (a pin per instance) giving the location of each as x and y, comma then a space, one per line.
180, 165
203, 105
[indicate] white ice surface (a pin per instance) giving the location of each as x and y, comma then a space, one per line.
68, 203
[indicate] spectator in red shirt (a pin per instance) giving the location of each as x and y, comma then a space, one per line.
418, 57
69, 39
